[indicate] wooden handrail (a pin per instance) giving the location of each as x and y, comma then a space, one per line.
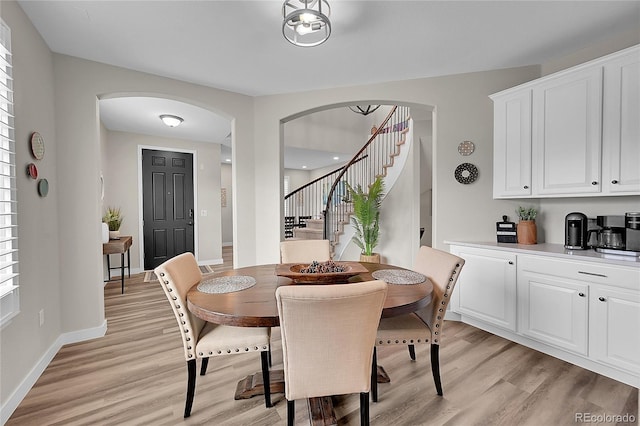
353, 160
320, 178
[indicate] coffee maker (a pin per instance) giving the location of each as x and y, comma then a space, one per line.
575, 231
632, 231
610, 235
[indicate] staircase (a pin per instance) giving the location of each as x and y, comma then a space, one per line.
320, 209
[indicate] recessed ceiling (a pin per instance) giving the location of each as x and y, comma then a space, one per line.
238, 45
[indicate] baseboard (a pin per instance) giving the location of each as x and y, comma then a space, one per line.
210, 262
23, 389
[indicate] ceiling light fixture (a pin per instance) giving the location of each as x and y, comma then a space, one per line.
171, 120
306, 22
366, 110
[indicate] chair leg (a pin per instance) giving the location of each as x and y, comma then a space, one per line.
435, 367
264, 356
291, 412
191, 386
412, 352
374, 376
203, 366
364, 408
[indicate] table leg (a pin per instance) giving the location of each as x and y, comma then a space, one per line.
253, 384
321, 412
129, 262
122, 270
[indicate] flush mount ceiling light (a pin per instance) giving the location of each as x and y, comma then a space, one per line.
171, 120
364, 110
306, 22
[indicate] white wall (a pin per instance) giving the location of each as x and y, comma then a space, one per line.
121, 177
24, 345
226, 181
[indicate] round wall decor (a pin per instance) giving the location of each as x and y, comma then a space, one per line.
466, 148
32, 171
37, 145
43, 187
466, 173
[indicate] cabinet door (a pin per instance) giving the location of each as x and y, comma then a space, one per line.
615, 327
567, 117
553, 310
487, 287
512, 145
621, 126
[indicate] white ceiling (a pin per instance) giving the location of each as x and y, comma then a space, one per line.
238, 45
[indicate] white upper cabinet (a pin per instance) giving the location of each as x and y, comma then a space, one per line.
567, 113
572, 133
512, 145
621, 125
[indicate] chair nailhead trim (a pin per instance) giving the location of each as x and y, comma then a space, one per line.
219, 352
162, 274
190, 356
246, 349
228, 351
210, 353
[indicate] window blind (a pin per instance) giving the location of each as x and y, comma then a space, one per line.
9, 301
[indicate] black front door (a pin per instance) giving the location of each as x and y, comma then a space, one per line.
167, 205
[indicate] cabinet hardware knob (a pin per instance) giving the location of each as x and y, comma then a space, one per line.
526, 187
602, 299
510, 262
594, 183
614, 181
581, 294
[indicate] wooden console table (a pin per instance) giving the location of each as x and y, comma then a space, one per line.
121, 247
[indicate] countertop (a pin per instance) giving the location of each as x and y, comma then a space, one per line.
555, 250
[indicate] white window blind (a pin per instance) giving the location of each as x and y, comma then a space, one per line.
9, 300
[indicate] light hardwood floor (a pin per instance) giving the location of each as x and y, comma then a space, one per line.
136, 375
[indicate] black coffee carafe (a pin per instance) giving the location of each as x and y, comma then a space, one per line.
575, 231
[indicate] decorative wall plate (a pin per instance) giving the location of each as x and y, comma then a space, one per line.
466, 148
37, 145
43, 187
466, 173
32, 171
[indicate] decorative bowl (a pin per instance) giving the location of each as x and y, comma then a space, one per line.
292, 271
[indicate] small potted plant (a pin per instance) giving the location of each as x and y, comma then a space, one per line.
526, 229
366, 217
113, 219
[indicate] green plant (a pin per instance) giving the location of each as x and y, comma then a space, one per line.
113, 218
366, 215
526, 214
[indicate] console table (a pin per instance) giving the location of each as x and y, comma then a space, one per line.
120, 246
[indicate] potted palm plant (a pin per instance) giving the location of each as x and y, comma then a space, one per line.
366, 217
113, 218
526, 230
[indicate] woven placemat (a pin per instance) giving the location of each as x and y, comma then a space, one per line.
226, 284
398, 276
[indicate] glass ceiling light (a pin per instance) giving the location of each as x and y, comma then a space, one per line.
306, 22
364, 110
171, 120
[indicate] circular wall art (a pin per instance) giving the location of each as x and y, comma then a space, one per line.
32, 171
43, 187
466, 173
466, 148
37, 145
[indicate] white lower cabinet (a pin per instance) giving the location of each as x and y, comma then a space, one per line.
585, 312
486, 288
553, 309
615, 327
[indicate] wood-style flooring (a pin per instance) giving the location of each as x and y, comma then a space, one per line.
136, 375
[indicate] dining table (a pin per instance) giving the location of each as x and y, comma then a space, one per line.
245, 297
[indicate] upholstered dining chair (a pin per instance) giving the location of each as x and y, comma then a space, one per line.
328, 336
202, 339
424, 326
292, 251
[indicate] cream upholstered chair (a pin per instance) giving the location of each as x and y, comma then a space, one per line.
292, 251
328, 337
424, 326
202, 339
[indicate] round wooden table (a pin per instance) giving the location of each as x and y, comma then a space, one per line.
256, 307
